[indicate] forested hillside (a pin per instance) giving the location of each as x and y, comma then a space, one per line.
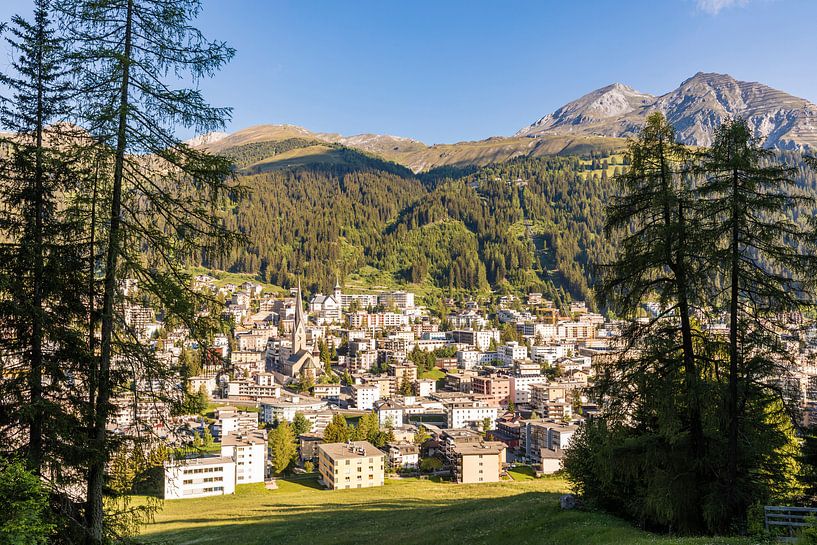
527, 224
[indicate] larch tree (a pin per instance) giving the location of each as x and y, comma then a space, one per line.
162, 206
655, 381
764, 268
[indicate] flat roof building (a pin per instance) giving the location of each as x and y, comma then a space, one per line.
356, 464
199, 477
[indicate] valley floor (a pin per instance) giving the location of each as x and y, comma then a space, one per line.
404, 512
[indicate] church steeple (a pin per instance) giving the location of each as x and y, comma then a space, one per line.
337, 290
299, 327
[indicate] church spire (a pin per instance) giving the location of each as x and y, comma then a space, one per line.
299, 327
336, 293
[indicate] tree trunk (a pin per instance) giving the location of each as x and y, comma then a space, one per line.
732, 445
96, 473
35, 448
696, 431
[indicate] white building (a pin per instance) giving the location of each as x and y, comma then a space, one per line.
424, 387
251, 389
365, 395
549, 354
231, 421
404, 455
520, 387
199, 477
510, 352
390, 413
575, 331
249, 451
403, 300
285, 407
470, 414
468, 359
481, 340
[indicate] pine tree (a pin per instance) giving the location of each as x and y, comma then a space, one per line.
42, 269
655, 211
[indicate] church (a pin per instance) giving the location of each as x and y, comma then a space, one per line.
301, 361
327, 308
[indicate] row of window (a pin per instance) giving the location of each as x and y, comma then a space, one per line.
203, 490
203, 470
206, 480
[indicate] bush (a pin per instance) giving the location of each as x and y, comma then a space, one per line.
430, 464
24, 504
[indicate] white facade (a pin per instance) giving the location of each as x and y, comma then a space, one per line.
199, 477
251, 389
510, 352
425, 387
365, 396
250, 455
389, 414
470, 414
549, 354
575, 331
403, 300
231, 422
520, 387
284, 408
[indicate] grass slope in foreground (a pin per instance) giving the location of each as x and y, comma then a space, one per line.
405, 511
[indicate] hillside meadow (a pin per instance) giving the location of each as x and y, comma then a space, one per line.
410, 511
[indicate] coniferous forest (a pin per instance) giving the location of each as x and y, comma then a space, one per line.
531, 224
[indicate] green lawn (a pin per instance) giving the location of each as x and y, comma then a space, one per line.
406, 512
436, 374
522, 473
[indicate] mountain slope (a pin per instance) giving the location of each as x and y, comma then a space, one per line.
695, 108
412, 153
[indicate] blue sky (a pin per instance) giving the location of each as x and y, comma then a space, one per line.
446, 70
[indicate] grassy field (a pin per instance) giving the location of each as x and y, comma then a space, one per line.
407, 512
435, 374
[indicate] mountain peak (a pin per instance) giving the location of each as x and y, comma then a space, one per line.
610, 102
695, 108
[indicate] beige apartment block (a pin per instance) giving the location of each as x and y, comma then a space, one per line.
357, 464
478, 462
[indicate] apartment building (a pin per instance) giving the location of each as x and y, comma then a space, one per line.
520, 386
481, 340
251, 389
469, 414
365, 395
199, 477
403, 300
510, 352
249, 451
327, 392
229, 420
478, 462
472, 459
356, 464
496, 386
